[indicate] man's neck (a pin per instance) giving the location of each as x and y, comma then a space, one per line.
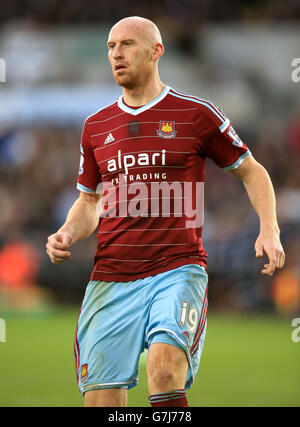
139, 96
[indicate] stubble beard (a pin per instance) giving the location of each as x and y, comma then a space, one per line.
126, 82
132, 81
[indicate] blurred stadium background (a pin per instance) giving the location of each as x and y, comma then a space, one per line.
236, 53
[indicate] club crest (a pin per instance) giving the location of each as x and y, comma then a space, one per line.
84, 372
166, 130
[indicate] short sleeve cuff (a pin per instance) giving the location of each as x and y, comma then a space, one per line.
81, 187
238, 162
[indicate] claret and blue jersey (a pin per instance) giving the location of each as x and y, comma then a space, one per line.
148, 156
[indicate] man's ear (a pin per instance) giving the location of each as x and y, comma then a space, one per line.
158, 51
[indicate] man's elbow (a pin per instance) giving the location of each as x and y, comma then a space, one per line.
249, 168
90, 198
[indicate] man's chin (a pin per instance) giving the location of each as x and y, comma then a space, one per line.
124, 81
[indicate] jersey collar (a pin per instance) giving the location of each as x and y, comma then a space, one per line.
145, 107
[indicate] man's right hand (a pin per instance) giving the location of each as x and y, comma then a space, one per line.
57, 247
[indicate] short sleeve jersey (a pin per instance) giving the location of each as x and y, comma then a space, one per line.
149, 164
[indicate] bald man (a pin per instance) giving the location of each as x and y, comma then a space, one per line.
142, 172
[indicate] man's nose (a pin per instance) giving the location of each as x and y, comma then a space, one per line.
117, 52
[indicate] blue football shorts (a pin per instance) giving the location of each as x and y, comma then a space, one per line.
119, 320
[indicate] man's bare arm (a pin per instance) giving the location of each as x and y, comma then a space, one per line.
80, 223
261, 194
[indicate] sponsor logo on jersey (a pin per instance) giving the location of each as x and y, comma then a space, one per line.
84, 372
166, 130
127, 161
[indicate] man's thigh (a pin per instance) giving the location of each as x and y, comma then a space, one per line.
110, 336
178, 314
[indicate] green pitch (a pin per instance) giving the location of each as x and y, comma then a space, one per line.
247, 361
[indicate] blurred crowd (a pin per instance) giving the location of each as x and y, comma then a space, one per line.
180, 18
187, 11
38, 172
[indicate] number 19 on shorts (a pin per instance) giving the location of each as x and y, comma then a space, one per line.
189, 316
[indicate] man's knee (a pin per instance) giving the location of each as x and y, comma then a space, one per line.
162, 377
166, 367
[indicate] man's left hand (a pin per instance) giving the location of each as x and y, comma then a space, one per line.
269, 244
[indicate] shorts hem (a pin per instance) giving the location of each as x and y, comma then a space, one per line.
99, 386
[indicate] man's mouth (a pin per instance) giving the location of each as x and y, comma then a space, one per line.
120, 67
